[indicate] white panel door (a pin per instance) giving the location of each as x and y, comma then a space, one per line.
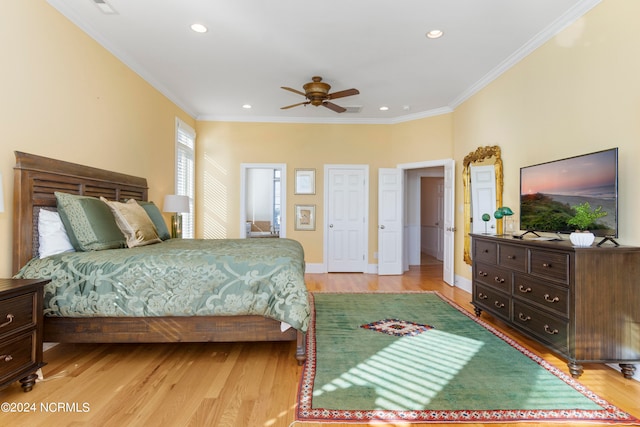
390, 224
483, 198
448, 273
346, 251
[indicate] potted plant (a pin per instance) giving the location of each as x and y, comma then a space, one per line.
584, 218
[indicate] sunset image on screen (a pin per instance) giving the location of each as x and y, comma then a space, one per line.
549, 192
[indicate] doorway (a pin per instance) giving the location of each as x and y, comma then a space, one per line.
263, 192
431, 218
444, 230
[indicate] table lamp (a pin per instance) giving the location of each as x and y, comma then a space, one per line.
177, 205
504, 212
1, 195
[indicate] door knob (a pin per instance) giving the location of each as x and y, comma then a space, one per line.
330, 225
382, 227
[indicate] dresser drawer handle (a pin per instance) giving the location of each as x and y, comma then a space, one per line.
482, 273
523, 317
511, 257
9, 320
498, 279
546, 265
486, 251
549, 299
524, 290
482, 296
550, 331
498, 304
6, 357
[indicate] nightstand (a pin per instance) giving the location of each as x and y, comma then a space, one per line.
20, 331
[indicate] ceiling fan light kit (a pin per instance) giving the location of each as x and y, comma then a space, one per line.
317, 93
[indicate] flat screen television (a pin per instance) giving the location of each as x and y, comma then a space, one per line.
549, 191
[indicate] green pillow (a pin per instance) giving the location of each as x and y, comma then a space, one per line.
157, 219
89, 222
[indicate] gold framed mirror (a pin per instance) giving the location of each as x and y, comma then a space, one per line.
488, 155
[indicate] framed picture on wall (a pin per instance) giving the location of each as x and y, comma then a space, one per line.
305, 217
305, 181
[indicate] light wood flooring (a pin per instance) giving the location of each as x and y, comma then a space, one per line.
224, 385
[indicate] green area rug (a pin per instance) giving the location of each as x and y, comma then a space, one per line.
420, 358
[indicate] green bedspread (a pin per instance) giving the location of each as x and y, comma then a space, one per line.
179, 278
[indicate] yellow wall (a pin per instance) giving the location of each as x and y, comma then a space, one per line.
63, 96
222, 147
578, 93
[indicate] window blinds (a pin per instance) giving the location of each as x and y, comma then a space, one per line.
185, 173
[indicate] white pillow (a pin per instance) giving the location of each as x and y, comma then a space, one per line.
53, 238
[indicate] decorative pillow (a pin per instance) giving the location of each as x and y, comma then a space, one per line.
134, 223
89, 223
156, 217
52, 237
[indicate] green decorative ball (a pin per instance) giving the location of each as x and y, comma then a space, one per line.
486, 217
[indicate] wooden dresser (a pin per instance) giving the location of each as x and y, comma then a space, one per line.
20, 331
581, 303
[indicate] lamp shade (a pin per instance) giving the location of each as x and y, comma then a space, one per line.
1, 195
175, 203
506, 211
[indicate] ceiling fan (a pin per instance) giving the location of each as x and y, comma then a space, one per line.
317, 93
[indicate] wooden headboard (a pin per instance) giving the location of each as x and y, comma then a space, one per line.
36, 178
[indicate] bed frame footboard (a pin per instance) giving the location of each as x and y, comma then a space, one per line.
170, 329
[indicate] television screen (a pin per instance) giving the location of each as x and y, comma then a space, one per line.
550, 191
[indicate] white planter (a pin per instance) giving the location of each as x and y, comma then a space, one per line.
582, 239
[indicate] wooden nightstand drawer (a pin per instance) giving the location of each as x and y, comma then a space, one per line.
17, 313
20, 330
16, 355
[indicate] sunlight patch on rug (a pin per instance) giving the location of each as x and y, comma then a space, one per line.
399, 386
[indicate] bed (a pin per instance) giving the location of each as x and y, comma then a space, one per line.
251, 289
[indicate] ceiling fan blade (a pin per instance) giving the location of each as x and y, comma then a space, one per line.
334, 107
343, 93
294, 105
293, 90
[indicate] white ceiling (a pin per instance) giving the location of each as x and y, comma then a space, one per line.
253, 47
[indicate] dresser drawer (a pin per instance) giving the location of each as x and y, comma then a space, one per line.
17, 313
513, 257
492, 301
493, 276
17, 354
485, 251
546, 327
555, 298
549, 265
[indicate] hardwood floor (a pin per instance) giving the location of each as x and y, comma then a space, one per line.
224, 385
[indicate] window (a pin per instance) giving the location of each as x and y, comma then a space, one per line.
185, 173
276, 201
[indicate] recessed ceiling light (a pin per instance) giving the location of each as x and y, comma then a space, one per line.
199, 28
105, 7
435, 34
384, 108
246, 106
